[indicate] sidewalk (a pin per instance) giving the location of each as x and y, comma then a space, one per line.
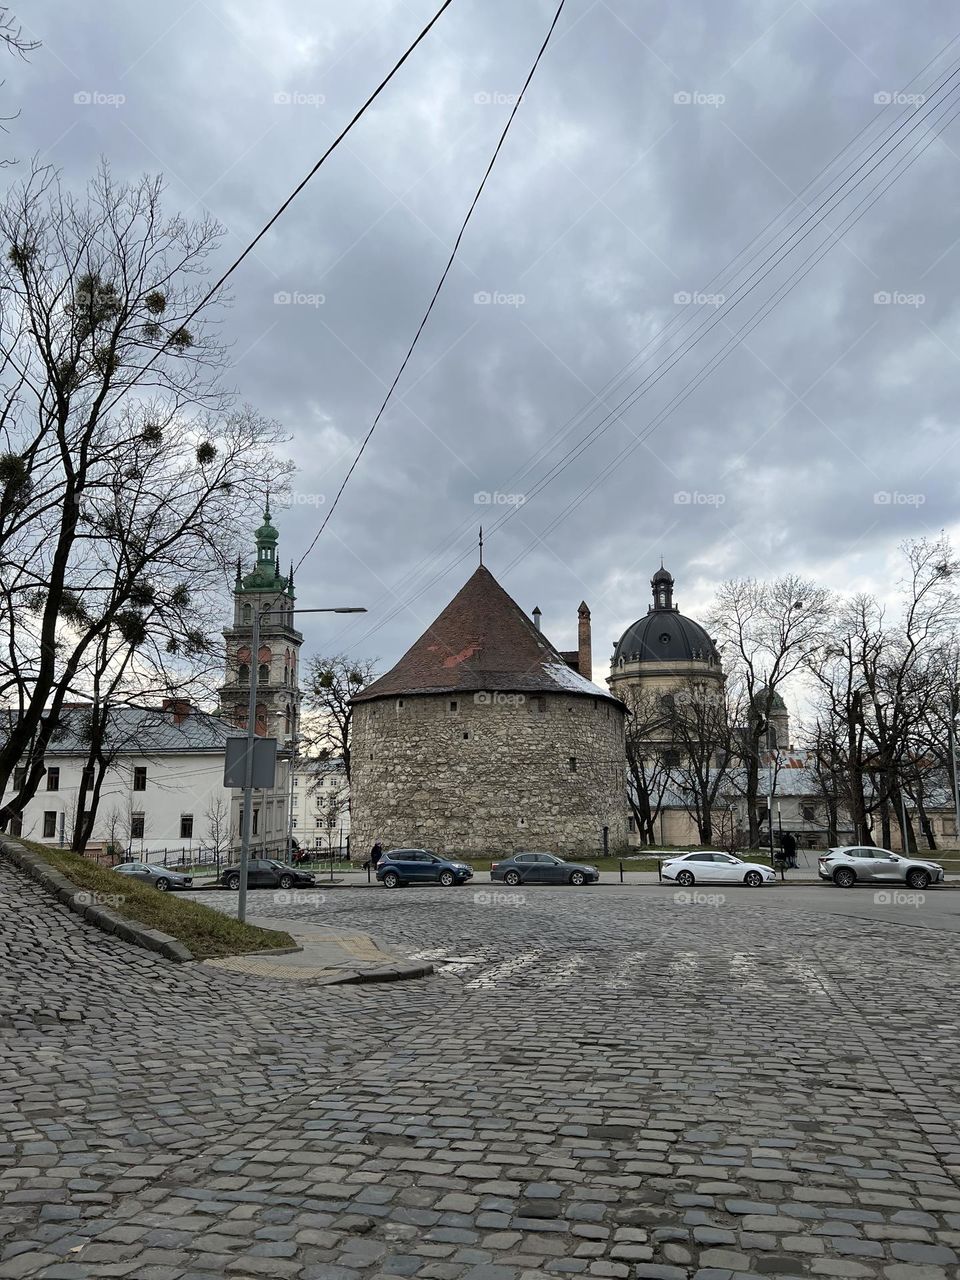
326, 957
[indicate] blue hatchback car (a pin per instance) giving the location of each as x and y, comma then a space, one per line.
420, 866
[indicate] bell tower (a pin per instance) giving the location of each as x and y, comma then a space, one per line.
271, 594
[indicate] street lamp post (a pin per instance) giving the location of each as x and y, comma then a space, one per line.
247, 824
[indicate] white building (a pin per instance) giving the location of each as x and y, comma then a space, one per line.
321, 805
162, 789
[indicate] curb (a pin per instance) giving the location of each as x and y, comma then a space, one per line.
387, 973
102, 918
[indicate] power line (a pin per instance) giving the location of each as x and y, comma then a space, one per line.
679, 322
757, 317
436, 292
293, 194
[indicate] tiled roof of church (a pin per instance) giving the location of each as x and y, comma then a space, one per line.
482, 641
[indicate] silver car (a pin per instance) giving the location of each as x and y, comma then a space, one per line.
846, 866
161, 878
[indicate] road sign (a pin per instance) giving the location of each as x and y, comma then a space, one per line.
264, 763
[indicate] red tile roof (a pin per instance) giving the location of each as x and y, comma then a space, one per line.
481, 641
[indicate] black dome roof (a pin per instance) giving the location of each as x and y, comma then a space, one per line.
665, 635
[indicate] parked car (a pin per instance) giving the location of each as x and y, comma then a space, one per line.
716, 868
161, 878
845, 866
542, 868
420, 866
267, 873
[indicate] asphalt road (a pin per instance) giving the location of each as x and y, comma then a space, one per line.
609, 1082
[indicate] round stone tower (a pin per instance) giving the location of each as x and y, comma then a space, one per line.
484, 740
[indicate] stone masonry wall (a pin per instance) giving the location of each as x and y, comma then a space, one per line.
488, 774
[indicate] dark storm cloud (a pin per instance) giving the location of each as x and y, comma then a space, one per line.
656, 142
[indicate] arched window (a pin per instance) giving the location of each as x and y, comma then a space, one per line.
261, 721
243, 674
265, 616
247, 613
264, 673
287, 723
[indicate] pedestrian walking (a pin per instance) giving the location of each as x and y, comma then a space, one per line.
376, 853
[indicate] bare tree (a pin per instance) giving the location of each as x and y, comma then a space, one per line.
217, 827
126, 474
700, 727
647, 749
768, 631
330, 685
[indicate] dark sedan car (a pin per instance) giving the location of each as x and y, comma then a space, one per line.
542, 868
267, 873
420, 866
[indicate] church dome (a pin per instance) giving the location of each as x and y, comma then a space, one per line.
665, 634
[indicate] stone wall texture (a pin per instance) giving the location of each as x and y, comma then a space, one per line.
488, 773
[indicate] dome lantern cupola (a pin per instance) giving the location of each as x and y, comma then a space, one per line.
662, 586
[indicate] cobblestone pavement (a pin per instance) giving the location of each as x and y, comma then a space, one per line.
606, 1085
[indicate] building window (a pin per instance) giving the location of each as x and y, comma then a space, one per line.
19, 777
16, 824
186, 826
809, 813
399, 702
136, 826
140, 777
318, 822
247, 613
454, 704
256, 821
49, 824
631, 825
86, 778
573, 764
243, 674
53, 779
264, 673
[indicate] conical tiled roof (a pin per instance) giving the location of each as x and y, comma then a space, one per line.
481, 641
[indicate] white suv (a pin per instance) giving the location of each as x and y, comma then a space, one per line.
876, 866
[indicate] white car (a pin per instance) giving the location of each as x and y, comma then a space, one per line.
715, 868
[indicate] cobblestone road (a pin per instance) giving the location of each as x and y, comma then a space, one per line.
595, 1083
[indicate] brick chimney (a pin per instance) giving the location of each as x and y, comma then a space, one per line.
584, 645
180, 707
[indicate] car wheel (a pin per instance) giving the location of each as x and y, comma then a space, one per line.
390, 880
232, 882
286, 882
685, 877
753, 879
512, 877
447, 878
917, 878
844, 877
162, 884
577, 877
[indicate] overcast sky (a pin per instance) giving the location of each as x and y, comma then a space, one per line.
656, 142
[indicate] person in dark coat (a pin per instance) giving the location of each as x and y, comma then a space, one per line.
789, 845
376, 853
